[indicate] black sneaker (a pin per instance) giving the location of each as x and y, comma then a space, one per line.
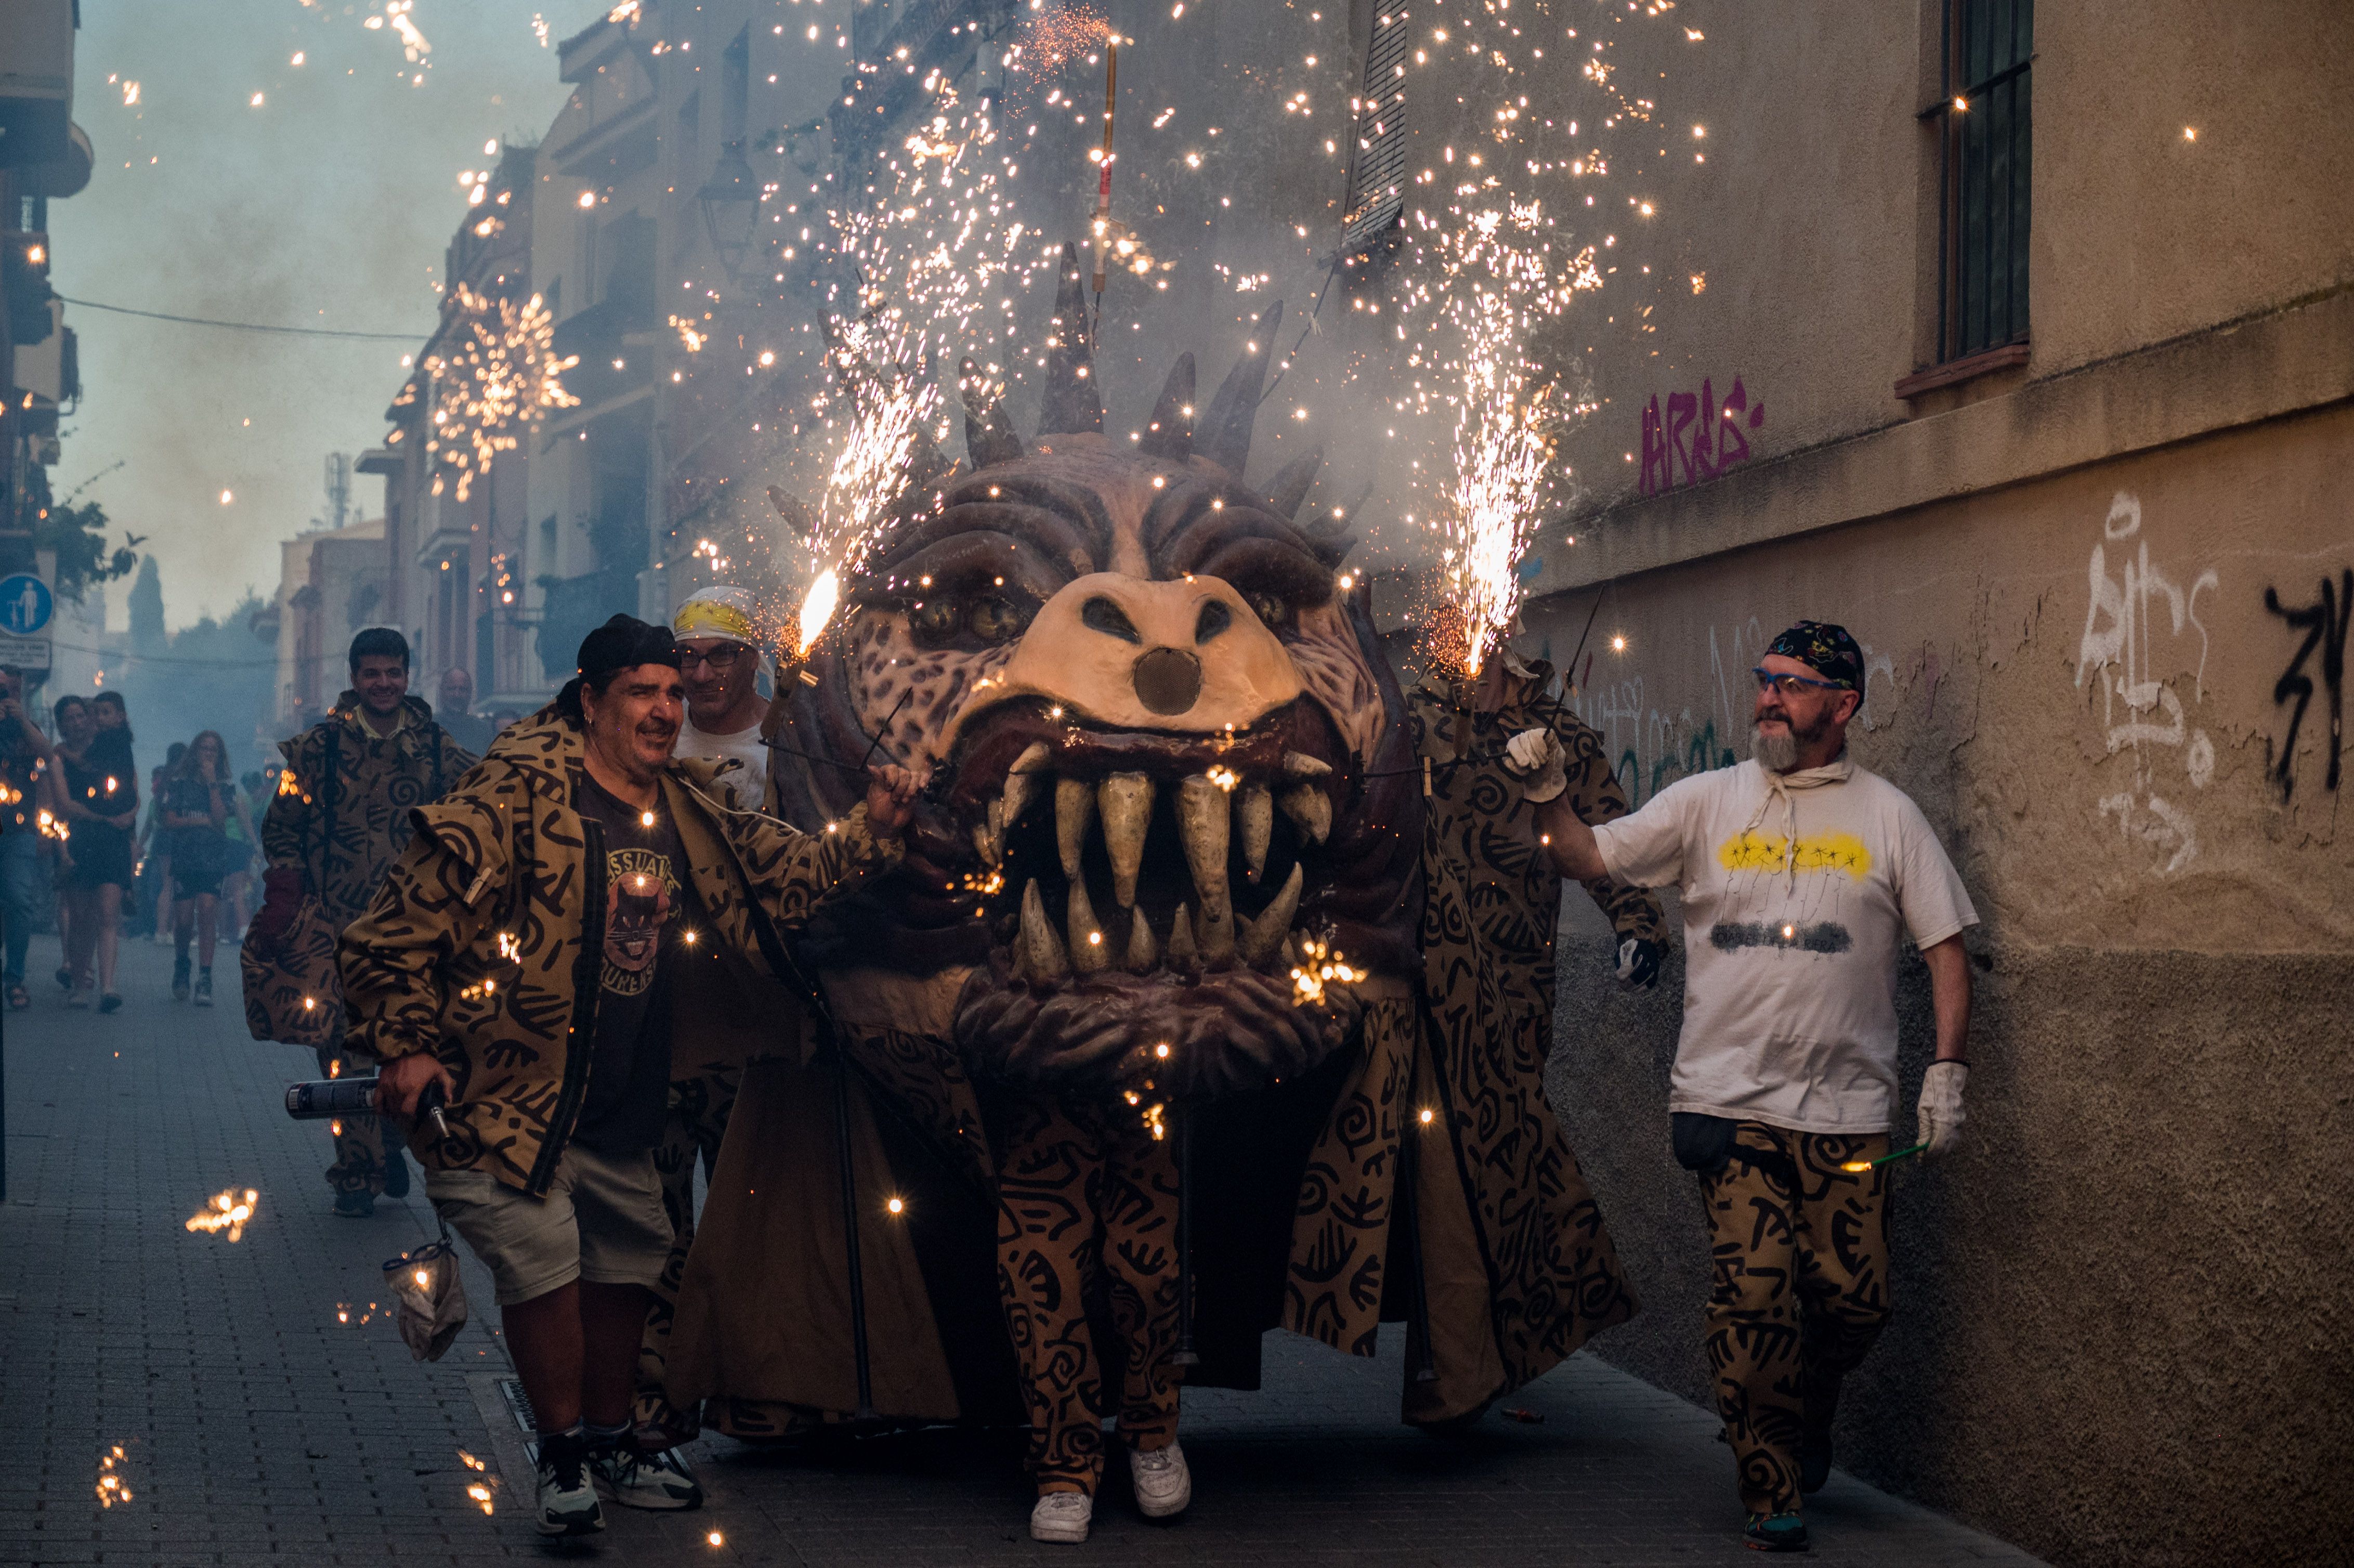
358, 1206
180, 978
204, 989
568, 1494
646, 1481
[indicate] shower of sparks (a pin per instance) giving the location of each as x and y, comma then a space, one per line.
494, 387
110, 1488
1319, 964
226, 1212
1502, 269
933, 256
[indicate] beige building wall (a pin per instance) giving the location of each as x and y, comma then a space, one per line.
2086, 585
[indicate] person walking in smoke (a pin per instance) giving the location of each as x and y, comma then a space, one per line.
1799, 872
100, 800
339, 818
199, 802
529, 954
154, 850
26, 765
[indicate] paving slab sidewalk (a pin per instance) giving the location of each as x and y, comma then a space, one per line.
267, 1410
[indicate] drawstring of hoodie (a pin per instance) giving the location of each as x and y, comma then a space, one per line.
1778, 788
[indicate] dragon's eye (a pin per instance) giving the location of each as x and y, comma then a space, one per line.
1272, 609
937, 620
996, 621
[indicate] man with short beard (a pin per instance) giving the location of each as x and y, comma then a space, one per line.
1800, 873
531, 955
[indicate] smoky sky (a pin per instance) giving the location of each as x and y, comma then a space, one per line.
328, 204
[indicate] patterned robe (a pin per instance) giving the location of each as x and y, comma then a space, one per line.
1493, 901
482, 945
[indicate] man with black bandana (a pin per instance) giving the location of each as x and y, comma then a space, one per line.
525, 956
1800, 873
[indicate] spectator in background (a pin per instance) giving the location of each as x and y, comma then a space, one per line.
25, 767
457, 711
332, 832
153, 870
719, 658
101, 808
199, 802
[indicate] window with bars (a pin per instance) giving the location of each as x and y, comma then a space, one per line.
1985, 135
1377, 167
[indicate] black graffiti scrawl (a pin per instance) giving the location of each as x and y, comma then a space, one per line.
2324, 623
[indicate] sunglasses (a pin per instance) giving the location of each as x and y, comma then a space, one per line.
721, 660
1790, 686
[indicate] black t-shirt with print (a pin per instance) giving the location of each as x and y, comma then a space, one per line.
649, 900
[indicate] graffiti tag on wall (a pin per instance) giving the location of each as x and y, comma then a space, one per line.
1697, 438
2324, 624
2125, 618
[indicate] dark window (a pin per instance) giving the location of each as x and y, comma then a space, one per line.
1983, 135
1377, 168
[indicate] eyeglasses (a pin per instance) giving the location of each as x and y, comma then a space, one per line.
1788, 686
721, 660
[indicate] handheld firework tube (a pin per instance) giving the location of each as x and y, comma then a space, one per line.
322, 1098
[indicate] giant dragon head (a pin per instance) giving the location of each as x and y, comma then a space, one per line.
1171, 784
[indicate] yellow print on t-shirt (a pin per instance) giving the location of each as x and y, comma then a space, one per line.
1818, 851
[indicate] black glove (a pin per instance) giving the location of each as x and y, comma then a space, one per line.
1638, 964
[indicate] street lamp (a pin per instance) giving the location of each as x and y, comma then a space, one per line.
731, 207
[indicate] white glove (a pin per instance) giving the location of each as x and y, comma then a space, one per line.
1535, 757
1940, 1108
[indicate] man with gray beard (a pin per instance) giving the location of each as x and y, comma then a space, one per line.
1800, 873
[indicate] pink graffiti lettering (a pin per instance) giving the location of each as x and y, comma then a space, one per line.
1697, 437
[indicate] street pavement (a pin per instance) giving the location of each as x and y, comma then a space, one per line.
267, 1410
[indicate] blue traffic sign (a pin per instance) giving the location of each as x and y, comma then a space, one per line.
25, 605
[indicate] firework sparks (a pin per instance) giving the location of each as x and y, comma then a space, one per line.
227, 1211
112, 1488
495, 387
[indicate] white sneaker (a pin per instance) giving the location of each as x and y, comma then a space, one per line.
647, 1480
1163, 1485
1062, 1516
568, 1493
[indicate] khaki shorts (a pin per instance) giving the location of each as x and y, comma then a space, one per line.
602, 1221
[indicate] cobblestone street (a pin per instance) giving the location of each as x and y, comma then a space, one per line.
256, 1426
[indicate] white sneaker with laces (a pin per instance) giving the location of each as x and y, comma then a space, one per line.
647, 1480
568, 1494
1062, 1516
1163, 1485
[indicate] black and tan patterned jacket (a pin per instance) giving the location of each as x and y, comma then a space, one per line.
341, 826
1479, 822
484, 944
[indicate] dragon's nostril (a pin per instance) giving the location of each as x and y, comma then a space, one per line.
1103, 615
1168, 680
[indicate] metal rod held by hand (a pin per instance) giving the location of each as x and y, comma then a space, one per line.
877, 745
865, 1411
1185, 1355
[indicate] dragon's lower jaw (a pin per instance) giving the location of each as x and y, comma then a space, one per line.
1182, 1036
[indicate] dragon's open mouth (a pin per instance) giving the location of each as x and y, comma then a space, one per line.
1145, 894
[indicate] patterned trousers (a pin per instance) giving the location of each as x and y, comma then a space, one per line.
1087, 1218
359, 1139
1798, 1293
694, 1123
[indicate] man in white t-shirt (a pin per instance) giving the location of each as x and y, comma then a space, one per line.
1800, 873
719, 655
